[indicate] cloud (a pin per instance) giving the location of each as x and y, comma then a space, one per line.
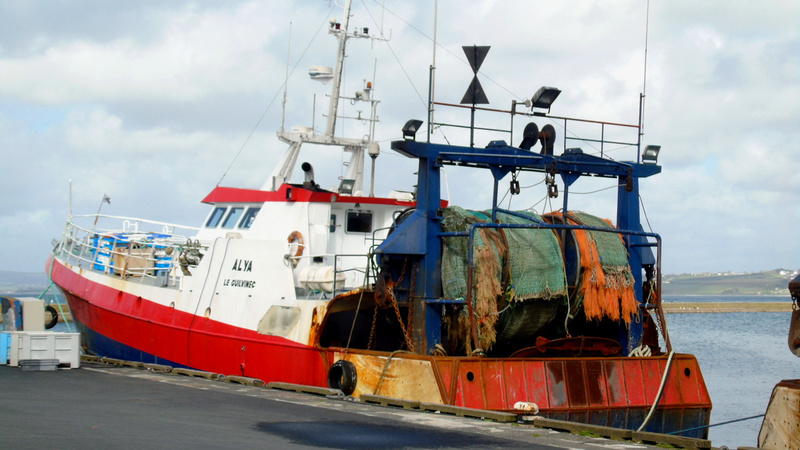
99, 131
193, 54
154, 102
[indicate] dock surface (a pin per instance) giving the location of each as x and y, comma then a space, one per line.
102, 406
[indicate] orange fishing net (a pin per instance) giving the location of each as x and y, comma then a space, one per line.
607, 290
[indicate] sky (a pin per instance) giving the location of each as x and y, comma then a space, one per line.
153, 103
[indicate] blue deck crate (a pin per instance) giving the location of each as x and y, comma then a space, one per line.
5, 347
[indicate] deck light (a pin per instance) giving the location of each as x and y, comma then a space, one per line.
544, 97
650, 154
410, 129
346, 186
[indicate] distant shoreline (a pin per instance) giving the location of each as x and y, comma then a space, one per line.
726, 307
786, 295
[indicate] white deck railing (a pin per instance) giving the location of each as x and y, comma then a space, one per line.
143, 250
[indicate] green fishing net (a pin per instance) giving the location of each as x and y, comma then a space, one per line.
517, 273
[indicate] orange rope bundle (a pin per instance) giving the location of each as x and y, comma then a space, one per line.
607, 291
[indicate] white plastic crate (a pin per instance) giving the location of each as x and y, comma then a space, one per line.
26, 345
24, 313
32, 313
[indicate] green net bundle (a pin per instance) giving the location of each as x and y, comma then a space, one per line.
517, 275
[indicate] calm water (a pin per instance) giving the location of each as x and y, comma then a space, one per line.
742, 356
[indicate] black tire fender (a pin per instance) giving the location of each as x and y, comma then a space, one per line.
342, 375
53, 315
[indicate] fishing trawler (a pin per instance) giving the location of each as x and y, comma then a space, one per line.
404, 295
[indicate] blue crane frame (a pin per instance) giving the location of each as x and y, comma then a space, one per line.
420, 236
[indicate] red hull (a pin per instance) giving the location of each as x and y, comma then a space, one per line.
606, 391
187, 340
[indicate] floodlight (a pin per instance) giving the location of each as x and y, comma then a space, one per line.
544, 97
346, 186
410, 129
650, 154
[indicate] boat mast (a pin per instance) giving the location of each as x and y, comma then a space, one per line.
432, 96
341, 35
286, 82
297, 136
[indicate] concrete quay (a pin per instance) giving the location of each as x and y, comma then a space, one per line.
104, 405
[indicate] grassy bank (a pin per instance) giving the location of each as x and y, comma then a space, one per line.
773, 282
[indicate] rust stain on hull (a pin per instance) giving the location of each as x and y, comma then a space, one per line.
613, 390
317, 322
395, 376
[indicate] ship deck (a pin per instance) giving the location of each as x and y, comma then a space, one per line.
101, 406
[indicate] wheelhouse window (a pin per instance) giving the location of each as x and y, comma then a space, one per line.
249, 217
232, 217
359, 222
216, 217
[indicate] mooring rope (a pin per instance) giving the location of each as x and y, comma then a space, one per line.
717, 424
49, 287
660, 391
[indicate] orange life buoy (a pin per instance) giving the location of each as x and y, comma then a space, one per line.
295, 236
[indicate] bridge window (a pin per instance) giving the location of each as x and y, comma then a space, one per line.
249, 217
216, 216
359, 222
233, 217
